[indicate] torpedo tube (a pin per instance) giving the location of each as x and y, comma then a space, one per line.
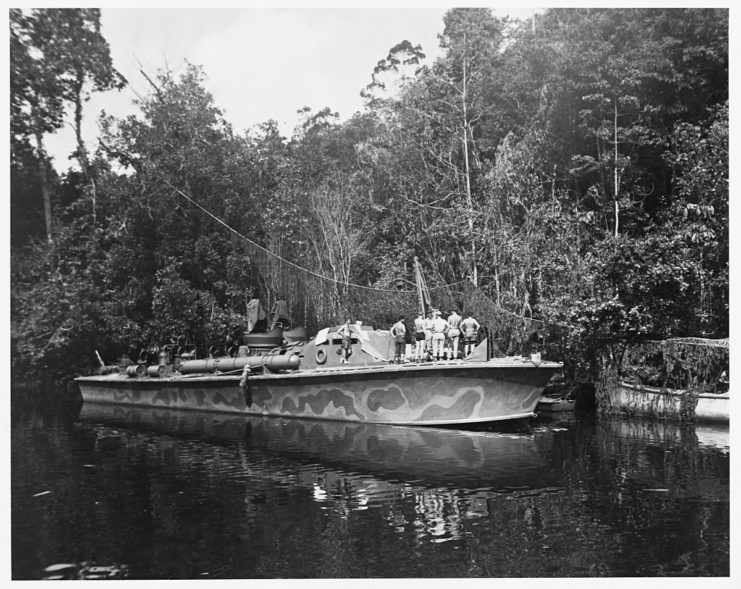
270, 362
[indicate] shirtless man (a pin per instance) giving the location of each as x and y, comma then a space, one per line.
470, 331
454, 333
399, 333
419, 337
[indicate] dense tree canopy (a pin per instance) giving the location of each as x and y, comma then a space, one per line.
574, 168
57, 58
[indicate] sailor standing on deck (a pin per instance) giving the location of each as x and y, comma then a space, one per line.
399, 333
454, 334
345, 332
439, 329
470, 331
428, 333
419, 336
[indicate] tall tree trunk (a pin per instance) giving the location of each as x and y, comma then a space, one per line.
44, 182
468, 178
616, 182
496, 278
81, 149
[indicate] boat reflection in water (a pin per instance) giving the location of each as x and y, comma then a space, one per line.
182, 494
396, 454
450, 476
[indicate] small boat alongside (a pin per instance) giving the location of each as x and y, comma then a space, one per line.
555, 405
683, 379
635, 399
561, 397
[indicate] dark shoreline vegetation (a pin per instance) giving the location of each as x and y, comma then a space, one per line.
575, 169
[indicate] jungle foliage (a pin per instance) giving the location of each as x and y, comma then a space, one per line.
575, 169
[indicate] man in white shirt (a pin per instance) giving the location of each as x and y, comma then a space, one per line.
439, 329
428, 333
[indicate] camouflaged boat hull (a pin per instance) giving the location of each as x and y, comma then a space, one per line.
206, 393
420, 394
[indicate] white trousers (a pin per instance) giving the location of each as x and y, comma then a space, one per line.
438, 344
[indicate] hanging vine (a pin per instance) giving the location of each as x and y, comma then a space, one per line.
697, 364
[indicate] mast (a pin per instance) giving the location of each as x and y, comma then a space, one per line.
422, 292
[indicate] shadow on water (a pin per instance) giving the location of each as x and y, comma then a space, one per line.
188, 495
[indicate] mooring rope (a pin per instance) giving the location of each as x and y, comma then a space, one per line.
686, 340
351, 285
285, 261
691, 341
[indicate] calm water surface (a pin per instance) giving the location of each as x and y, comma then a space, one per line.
186, 495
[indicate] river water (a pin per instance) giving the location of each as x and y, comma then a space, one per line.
186, 495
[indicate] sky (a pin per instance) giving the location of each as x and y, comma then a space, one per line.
260, 63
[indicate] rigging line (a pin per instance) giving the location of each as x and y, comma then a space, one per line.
541, 321
281, 259
721, 343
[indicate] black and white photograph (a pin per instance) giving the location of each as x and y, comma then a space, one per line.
423, 293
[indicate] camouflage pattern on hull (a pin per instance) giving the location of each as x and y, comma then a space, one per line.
206, 393
431, 394
406, 396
